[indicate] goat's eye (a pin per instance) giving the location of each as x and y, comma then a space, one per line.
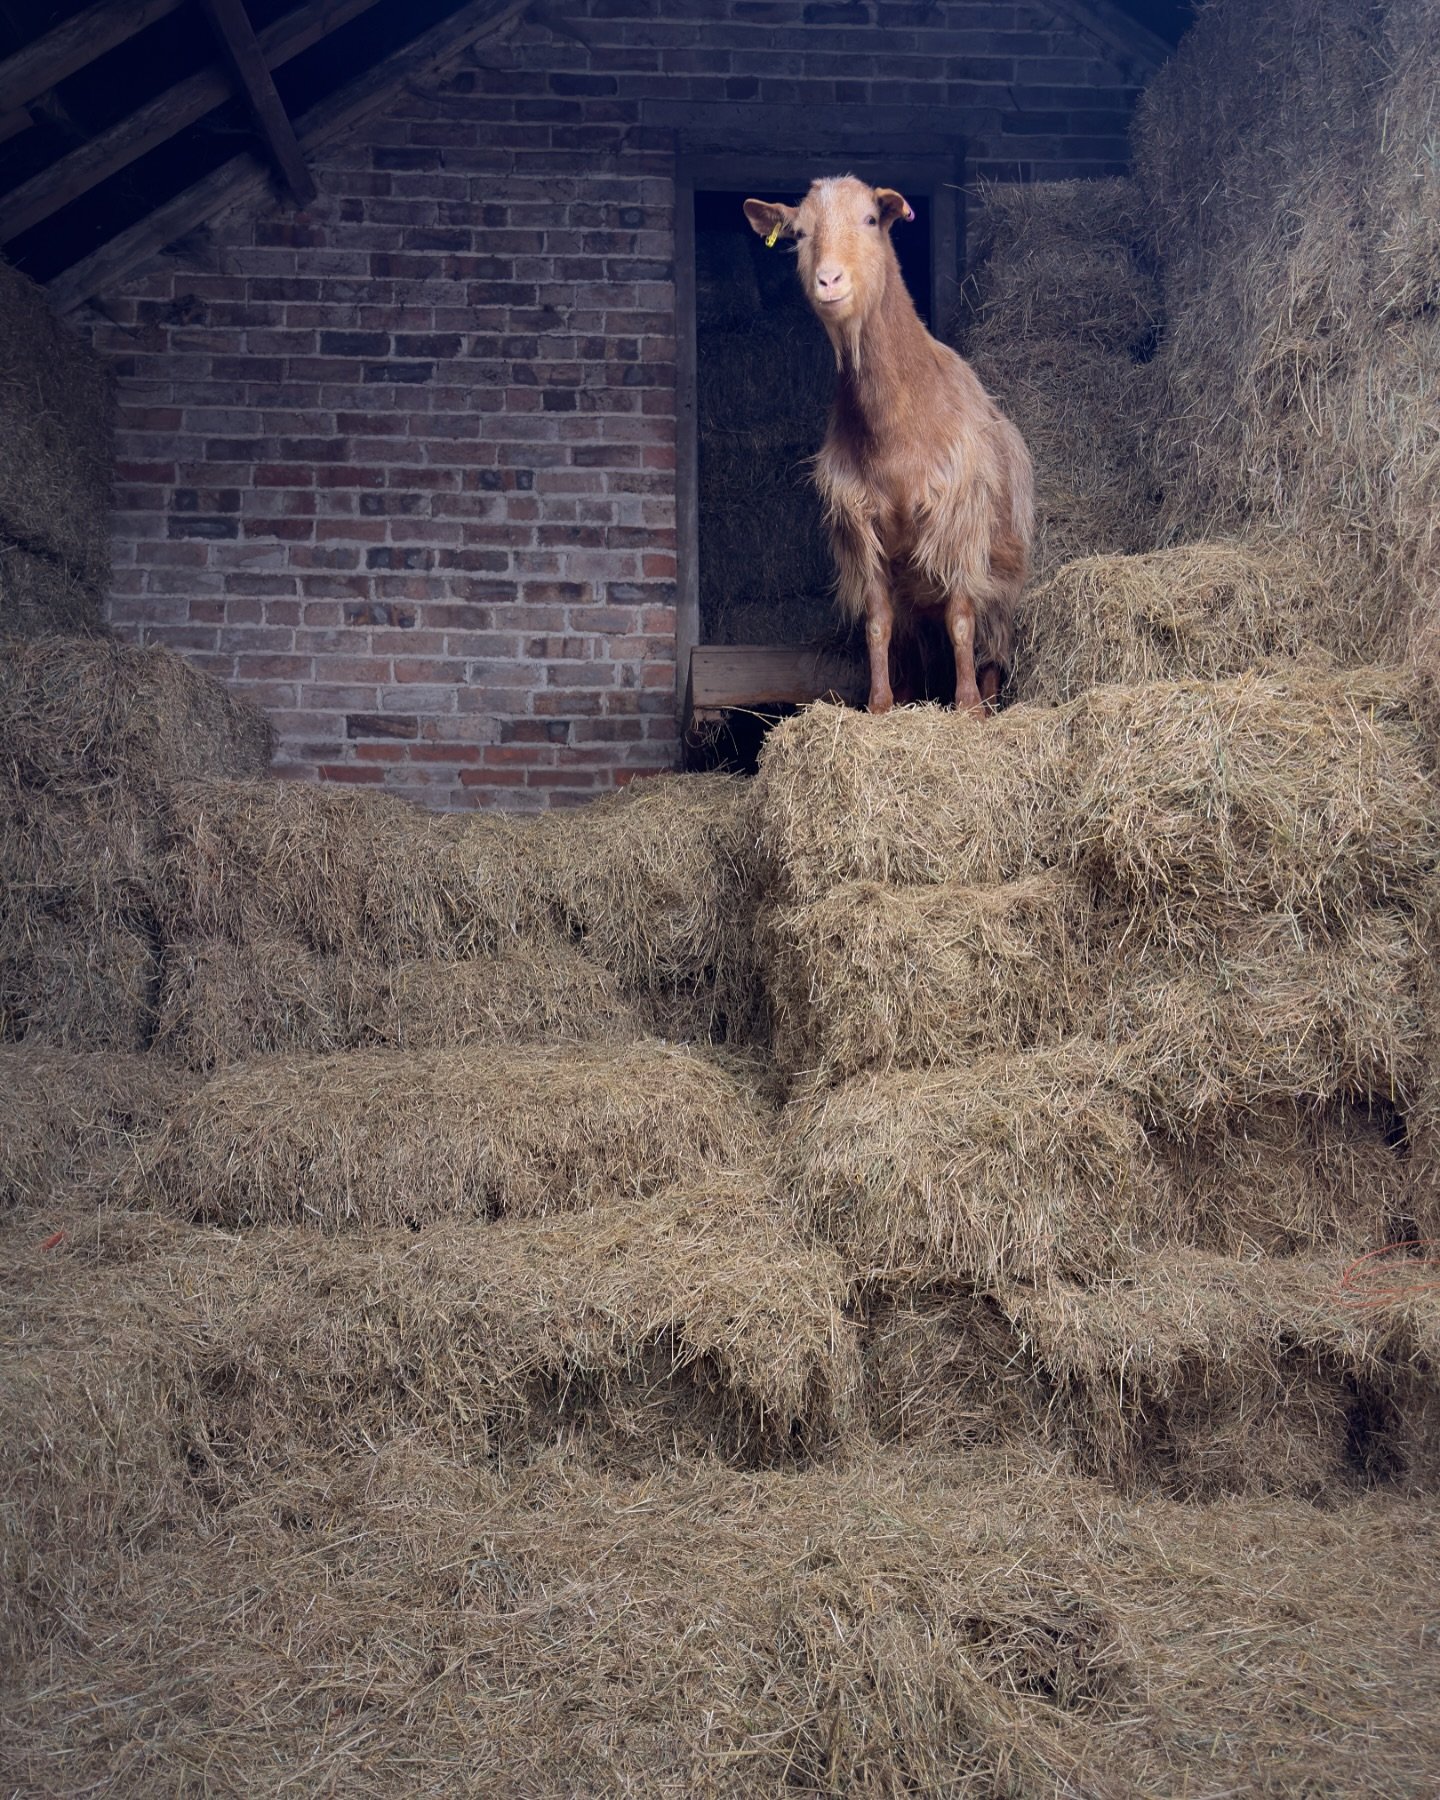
871, 220
798, 236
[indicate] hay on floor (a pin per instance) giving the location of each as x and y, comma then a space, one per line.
920, 795
407, 1137
911, 1624
907, 978
1195, 612
1011, 1165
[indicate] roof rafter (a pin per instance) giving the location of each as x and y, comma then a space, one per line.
244, 178
131, 137
232, 23
73, 45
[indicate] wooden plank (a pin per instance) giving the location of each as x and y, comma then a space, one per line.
726, 676
13, 123
110, 151
243, 178
233, 25
73, 45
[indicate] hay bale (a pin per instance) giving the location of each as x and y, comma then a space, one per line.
658, 884
56, 461
1210, 1374
79, 714
942, 1372
1064, 319
39, 595
1061, 259
1194, 612
1283, 1180
408, 1137
222, 1002
77, 981
920, 795
1288, 161
1012, 1165
1305, 792
690, 1323
70, 1118
1085, 416
1272, 1011
363, 875
907, 978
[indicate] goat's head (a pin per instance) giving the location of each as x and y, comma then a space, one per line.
841, 231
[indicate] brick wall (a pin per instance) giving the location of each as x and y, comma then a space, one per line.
401, 468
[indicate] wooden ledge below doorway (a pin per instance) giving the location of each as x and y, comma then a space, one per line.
750, 677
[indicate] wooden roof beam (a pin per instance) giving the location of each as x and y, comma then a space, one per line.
73, 45
232, 23
242, 178
128, 140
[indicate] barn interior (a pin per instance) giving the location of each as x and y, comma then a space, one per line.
909, 1271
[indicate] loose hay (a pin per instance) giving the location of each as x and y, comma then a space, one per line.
917, 1624
408, 1137
920, 795
1195, 612
907, 978
1013, 1165
1306, 793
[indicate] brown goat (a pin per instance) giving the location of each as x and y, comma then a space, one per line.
928, 490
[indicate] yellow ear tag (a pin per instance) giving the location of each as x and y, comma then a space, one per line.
774, 233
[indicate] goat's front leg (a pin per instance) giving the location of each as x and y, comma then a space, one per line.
960, 627
879, 622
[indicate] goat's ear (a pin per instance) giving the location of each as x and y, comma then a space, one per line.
770, 219
893, 206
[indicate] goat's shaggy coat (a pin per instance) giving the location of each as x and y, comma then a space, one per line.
928, 490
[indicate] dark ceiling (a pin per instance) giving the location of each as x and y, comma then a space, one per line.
77, 109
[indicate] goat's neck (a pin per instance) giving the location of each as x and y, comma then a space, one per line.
884, 364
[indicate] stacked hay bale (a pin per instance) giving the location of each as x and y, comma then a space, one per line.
91, 735
1287, 157
1065, 324
1136, 977
300, 918
55, 470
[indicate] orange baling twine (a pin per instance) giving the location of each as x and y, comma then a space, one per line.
1358, 1280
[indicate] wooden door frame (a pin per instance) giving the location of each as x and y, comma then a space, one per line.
938, 176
